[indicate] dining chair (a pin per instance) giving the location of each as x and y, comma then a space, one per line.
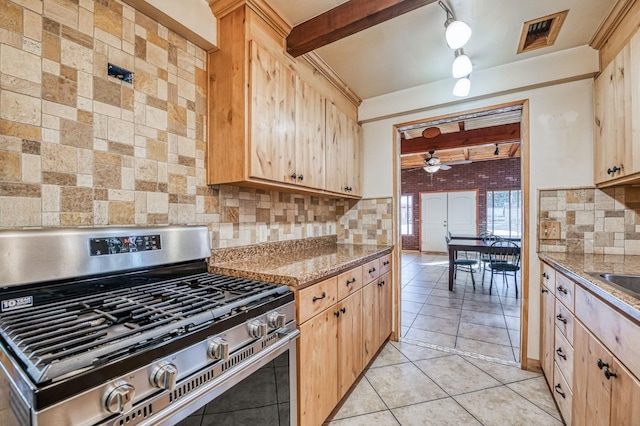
464, 263
505, 263
488, 238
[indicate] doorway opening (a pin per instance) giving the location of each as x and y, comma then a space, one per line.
484, 152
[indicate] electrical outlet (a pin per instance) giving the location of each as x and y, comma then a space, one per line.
550, 230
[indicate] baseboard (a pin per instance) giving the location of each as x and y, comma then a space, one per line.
533, 365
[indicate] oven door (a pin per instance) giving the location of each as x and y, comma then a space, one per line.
262, 390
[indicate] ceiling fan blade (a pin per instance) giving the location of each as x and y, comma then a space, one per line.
444, 167
453, 163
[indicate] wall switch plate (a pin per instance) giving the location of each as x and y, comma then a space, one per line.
550, 230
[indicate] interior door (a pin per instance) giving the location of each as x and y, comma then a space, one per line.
441, 212
433, 207
462, 212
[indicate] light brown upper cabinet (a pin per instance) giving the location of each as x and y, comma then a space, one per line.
269, 116
616, 93
343, 159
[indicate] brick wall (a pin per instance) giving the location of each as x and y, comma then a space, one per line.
483, 176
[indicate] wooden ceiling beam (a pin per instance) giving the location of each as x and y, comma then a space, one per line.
345, 20
468, 138
513, 149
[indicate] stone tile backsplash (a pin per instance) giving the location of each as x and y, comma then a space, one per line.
80, 148
593, 221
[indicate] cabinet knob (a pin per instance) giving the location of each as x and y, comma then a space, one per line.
601, 364
609, 374
614, 169
372, 270
320, 297
562, 290
558, 390
300, 177
544, 290
545, 276
343, 310
294, 176
337, 313
561, 318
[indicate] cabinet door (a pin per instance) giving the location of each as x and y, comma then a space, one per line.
353, 166
272, 117
317, 368
591, 389
370, 321
310, 134
335, 151
384, 307
625, 409
349, 342
548, 323
612, 107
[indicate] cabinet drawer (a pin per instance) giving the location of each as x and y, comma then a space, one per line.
563, 355
562, 394
385, 263
370, 271
564, 321
349, 282
548, 276
565, 289
618, 333
316, 298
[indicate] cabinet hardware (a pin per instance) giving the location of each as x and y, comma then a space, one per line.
609, 374
381, 283
343, 310
544, 290
560, 354
562, 290
545, 276
601, 364
294, 176
348, 188
385, 263
558, 389
351, 281
613, 170
318, 298
372, 270
300, 177
561, 318
336, 313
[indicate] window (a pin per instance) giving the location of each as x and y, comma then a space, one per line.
406, 215
504, 213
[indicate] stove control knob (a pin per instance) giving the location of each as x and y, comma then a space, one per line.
276, 320
219, 349
119, 397
164, 376
257, 329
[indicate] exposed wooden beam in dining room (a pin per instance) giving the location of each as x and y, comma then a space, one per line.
513, 149
345, 20
468, 138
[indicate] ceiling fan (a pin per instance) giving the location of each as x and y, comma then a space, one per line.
432, 163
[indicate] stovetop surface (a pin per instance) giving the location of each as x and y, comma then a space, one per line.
72, 327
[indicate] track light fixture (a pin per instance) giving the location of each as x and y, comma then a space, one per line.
497, 151
457, 33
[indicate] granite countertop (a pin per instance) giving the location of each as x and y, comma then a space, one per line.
300, 267
577, 266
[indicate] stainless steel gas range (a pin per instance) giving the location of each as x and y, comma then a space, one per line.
125, 326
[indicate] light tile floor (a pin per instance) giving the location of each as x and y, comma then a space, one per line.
410, 384
466, 319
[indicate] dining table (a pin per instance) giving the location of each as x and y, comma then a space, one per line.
475, 245
480, 237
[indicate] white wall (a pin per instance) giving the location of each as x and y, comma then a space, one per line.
561, 138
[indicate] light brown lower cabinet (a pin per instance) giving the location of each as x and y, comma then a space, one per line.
605, 392
547, 317
337, 343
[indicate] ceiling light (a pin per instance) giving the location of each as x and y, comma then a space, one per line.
461, 65
432, 169
462, 87
457, 33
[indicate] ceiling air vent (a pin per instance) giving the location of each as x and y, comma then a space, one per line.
541, 32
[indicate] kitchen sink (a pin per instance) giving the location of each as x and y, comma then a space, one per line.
629, 284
